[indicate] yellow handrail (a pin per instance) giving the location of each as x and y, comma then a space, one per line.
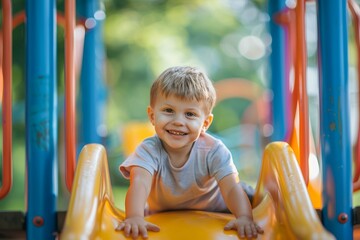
91, 196
281, 178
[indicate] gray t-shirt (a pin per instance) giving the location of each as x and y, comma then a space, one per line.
192, 186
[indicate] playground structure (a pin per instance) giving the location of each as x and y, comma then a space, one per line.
288, 182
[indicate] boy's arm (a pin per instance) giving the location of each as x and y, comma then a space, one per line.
136, 196
238, 203
138, 192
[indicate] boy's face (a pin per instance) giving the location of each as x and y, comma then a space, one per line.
177, 122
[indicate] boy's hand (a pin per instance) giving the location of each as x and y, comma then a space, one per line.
136, 226
245, 227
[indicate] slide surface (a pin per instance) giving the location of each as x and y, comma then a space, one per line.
281, 206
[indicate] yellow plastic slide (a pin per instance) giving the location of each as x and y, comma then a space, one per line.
282, 206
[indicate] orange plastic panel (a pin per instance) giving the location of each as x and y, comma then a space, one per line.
134, 133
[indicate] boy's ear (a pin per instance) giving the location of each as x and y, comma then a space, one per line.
207, 122
150, 113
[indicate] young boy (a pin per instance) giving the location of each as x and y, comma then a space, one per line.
183, 167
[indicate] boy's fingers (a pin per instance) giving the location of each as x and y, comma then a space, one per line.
259, 229
254, 229
120, 226
143, 232
134, 231
241, 231
153, 227
251, 231
127, 230
229, 225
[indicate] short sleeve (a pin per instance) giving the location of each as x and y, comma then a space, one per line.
220, 162
146, 155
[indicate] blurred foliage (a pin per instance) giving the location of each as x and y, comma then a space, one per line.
144, 37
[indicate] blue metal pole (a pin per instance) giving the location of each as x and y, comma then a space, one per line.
278, 73
334, 118
41, 120
92, 87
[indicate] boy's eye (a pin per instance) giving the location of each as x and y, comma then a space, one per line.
168, 110
190, 114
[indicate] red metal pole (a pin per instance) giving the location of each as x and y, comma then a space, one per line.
70, 99
7, 98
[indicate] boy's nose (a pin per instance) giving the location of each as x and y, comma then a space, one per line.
178, 120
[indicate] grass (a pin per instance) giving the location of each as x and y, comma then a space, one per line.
356, 199
119, 196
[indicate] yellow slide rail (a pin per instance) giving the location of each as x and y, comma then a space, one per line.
282, 206
281, 178
91, 208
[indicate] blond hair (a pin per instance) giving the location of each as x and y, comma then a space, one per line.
187, 83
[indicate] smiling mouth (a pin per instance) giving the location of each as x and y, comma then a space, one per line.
176, 133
